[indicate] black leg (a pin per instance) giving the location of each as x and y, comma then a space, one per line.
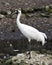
29, 49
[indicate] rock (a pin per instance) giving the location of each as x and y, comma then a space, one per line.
11, 45
23, 63
50, 6
8, 12
18, 58
29, 15
3, 12
5, 3
5, 57
46, 8
8, 62
1, 16
44, 15
36, 59
26, 4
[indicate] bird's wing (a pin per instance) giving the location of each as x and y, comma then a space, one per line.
29, 28
29, 31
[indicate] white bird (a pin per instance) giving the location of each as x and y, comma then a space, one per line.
30, 32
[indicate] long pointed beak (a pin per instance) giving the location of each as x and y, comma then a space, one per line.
16, 12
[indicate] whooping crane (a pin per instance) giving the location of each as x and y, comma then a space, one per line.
30, 32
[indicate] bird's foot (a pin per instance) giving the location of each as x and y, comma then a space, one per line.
28, 55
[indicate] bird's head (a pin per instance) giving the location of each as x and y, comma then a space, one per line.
18, 11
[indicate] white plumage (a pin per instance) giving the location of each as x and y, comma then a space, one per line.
30, 32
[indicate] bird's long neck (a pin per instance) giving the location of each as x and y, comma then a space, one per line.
18, 19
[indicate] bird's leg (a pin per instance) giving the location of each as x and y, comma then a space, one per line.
29, 50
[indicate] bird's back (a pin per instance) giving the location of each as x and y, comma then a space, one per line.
29, 31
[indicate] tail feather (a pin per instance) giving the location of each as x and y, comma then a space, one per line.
44, 35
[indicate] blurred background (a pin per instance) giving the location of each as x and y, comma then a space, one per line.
36, 13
